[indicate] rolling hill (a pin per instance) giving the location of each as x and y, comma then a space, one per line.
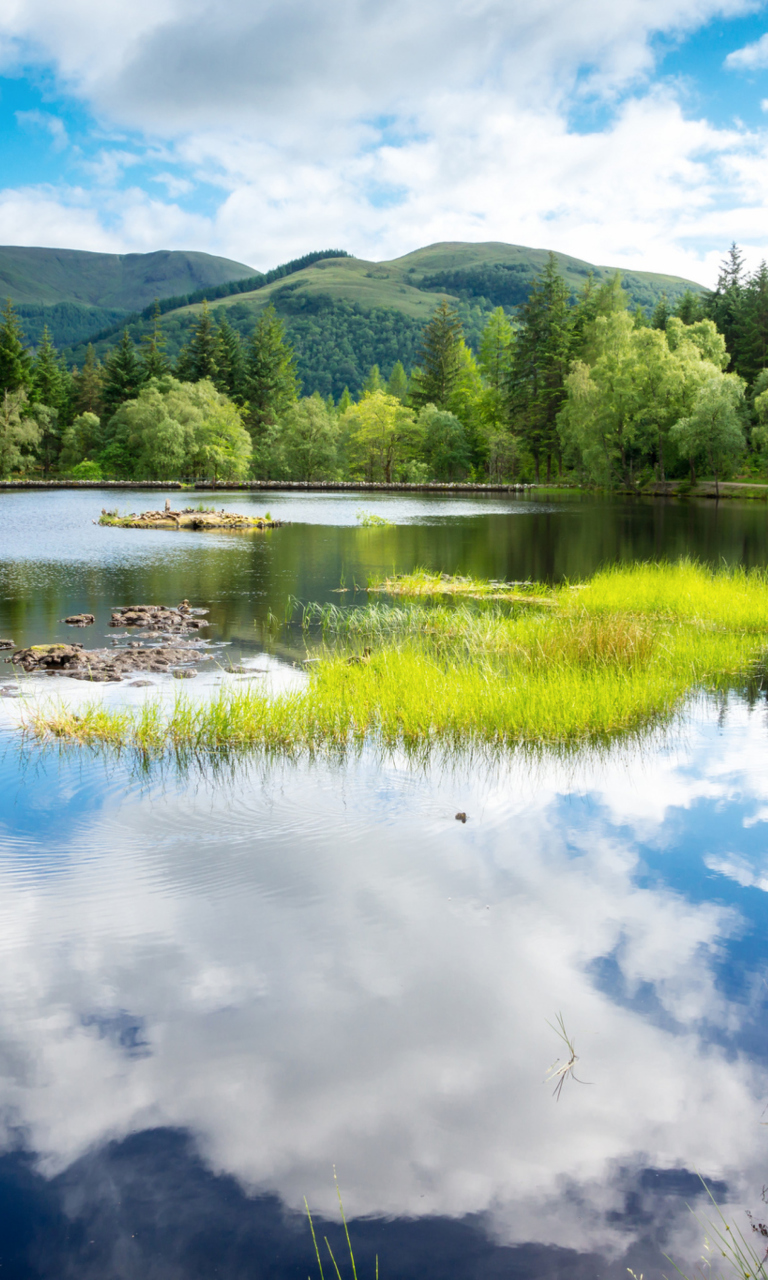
343, 314
76, 292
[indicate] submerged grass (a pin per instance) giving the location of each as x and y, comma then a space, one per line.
615, 656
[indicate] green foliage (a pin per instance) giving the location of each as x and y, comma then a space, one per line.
198, 358
440, 359
122, 375
303, 445
175, 430
381, 437
444, 445
714, 429
270, 383
153, 359
15, 360
88, 384
541, 358
51, 381
87, 470
84, 438
19, 433
397, 384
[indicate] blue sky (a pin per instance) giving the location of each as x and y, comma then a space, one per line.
631, 133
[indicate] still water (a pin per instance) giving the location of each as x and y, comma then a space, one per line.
213, 989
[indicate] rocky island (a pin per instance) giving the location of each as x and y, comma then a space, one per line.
188, 518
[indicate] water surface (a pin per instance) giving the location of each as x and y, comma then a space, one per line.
216, 986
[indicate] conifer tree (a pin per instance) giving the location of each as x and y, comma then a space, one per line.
122, 375
153, 358
723, 305
398, 382
198, 359
15, 360
229, 359
88, 384
751, 327
50, 379
374, 381
542, 356
345, 400
661, 313
269, 376
440, 359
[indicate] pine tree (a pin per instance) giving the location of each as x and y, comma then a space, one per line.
48, 375
690, 307
751, 328
269, 377
198, 359
398, 382
542, 355
229, 359
88, 385
345, 400
661, 313
723, 305
374, 381
439, 359
15, 360
122, 375
153, 358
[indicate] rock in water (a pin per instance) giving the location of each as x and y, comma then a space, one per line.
80, 620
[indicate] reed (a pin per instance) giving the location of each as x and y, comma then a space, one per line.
617, 656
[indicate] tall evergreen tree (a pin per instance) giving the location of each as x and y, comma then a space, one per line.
153, 358
87, 385
15, 360
542, 355
198, 359
229, 359
723, 305
751, 326
122, 375
398, 382
661, 313
50, 379
270, 383
439, 359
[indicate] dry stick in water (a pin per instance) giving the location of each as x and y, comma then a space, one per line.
566, 1069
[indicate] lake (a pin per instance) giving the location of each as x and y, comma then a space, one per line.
217, 986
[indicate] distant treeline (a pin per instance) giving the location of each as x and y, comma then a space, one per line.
310, 387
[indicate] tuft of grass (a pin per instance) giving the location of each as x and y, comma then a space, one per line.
618, 656
727, 1242
422, 582
369, 520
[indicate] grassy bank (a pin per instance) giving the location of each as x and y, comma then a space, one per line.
576, 664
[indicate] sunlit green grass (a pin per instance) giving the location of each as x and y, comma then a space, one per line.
616, 656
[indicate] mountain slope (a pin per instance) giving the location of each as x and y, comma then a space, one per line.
123, 281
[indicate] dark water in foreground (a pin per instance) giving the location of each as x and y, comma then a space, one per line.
213, 989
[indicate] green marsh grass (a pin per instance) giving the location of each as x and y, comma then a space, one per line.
618, 655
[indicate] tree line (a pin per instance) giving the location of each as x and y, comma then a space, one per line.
576, 386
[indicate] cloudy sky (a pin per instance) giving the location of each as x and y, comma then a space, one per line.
629, 132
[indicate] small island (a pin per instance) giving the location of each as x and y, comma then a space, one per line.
188, 518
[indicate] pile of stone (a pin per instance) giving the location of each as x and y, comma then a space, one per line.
102, 665
157, 619
187, 518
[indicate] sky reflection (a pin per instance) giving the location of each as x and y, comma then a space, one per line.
318, 964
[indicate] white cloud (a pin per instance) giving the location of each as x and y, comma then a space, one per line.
752, 57
44, 120
290, 110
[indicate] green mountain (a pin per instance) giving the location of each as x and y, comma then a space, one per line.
343, 314
128, 281
77, 293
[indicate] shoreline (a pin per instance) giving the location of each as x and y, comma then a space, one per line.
748, 490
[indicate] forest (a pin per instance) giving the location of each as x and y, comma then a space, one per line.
578, 386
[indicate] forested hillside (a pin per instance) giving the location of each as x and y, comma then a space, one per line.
344, 314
